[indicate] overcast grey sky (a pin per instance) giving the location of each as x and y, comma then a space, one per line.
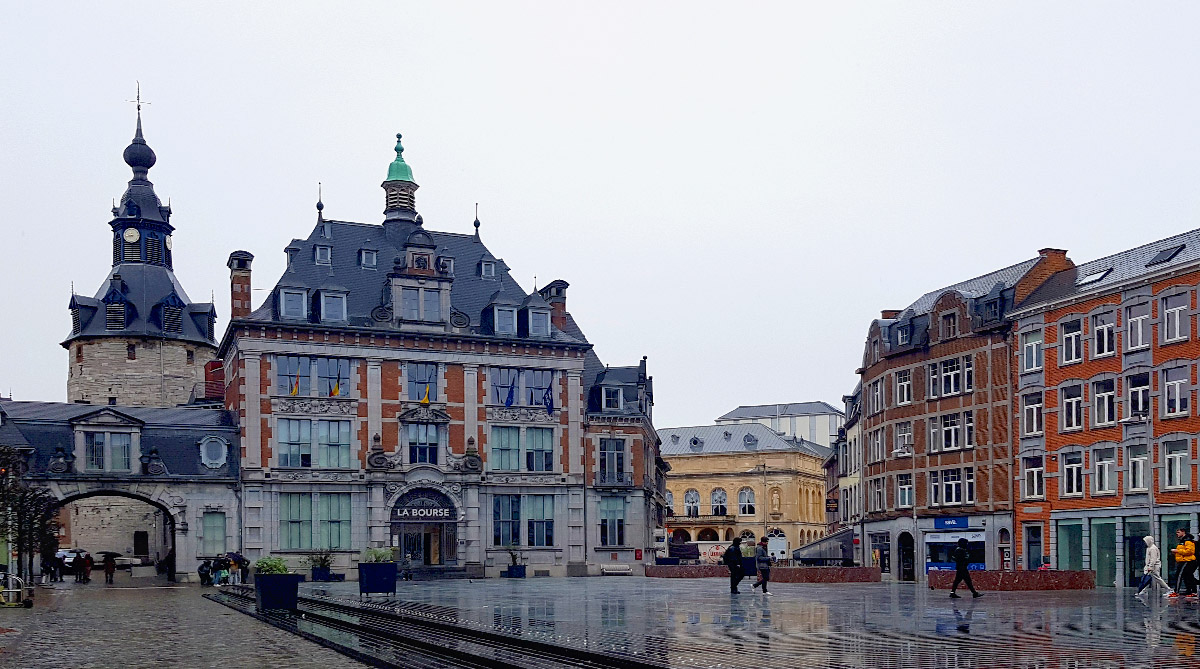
734, 190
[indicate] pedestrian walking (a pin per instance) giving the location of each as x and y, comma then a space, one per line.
1185, 556
1152, 568
406, 573
59, 565
733, 559
88, 564
962, 572
762, 560
110, 569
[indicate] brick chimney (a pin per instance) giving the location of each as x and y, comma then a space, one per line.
555, 294
239, 284
889, 314
1049, 263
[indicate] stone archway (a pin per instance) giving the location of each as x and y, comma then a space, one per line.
173, 516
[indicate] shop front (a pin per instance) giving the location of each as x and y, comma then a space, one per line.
424, 528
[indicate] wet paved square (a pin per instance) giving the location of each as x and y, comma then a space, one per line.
697, 623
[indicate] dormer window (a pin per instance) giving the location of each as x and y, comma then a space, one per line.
114, 316
172, 319
539, 323
367, 258
612, 399
902, 336
421, 304
291, 255
487, 269
333, 307
324, 255
506, 320
431, 305
292, 304
949, 325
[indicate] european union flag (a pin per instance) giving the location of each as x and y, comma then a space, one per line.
548, 400
512, 391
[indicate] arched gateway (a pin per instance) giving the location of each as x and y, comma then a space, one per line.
424, 527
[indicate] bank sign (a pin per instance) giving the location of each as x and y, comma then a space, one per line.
422, 513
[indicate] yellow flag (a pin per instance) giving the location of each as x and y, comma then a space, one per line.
425, 400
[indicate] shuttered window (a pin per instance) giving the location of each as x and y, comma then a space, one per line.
114, 316
172, 319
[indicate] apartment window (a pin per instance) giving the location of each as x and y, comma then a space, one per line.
968, 429
1031, 413
293, 304
1103, 335
612, 399
505, 385
487, 269
540, 524
1137, 327
951, 377
506, 320
324, 255
333, 443
295, 443
904, 491
1106, 466
950, 432
952, 486
1178, 468
1031, 351
991, 310
876, 492
539, 323
292, 375
1176, 325
1175, 385
904, 438
1139, 394
931, 388
746, 502
431, 301
612, 521
874, 350
902, 336
1072, 474
876, 396
422, 381
949, 325
1139, 462
935, 489
612, 459
333, 307
1104, 396
506, 520
367, 258
333, 526
969, 485
1070, 341
539, 449
875, 442
1033, 478
934, 440
333, 376
968, 374
423, 443
505, 446
904, 386
410, 303
295, 521
718, 500
214, 533
1072, 407
691, 503
537, 385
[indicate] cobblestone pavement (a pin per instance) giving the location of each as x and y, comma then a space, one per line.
145, 623
697, 623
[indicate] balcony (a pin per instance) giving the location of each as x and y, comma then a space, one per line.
614, 479
676, 521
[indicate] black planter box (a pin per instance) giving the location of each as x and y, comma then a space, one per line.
376, 577
514, 571
276, 591
321, 574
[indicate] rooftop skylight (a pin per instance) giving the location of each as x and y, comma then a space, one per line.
1165, 255
1093, 277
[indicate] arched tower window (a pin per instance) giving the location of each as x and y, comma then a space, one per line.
746, 502
719, 500
691, 503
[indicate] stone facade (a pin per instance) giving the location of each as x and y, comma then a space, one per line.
157, 372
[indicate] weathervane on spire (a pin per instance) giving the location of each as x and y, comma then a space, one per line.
138, 99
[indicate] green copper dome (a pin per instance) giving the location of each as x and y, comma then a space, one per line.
399, 170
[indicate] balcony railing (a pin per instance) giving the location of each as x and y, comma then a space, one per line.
614, 478
704, 520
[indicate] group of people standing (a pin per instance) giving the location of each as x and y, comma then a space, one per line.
228, 569
737, 571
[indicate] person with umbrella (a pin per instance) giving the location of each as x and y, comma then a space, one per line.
110, 568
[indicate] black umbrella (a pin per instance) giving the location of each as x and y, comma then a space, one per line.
112, 553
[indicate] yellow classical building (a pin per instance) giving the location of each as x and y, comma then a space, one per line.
743, 480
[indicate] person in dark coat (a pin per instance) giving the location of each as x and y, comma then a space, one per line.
110, 568
762, 560
962, 560
733, 559
88, 565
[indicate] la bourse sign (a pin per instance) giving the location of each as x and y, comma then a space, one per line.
422, 511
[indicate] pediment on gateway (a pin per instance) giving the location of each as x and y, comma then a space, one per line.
107, 416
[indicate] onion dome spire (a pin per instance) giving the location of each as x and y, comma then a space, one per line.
400, 190
399, 170
138, 154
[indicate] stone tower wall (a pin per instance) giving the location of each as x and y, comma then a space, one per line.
159, 375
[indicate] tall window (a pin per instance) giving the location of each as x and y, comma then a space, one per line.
334, 527
295, 443
1176, 325
951, 377
333, 377
432, 303
1070, 334
1137, 327
875, 444
506, 385
691, 503
904, 437
949, 325
1032, 412
1139, 464
935, 489
1072, 407
952, 486
506, 520
93, 446
718, 500
292, 375
904, 491
876, 397
214, 533
1177, 463
968, 373
950, 432
904, 386
612, 521
540, 511
968, 429
1175, 383
120, 445
1106, 465
333, 442
422, 381
1034, 477
537, 384
931, 387
423, 443
1139, 394
1103, 335
505, 449
612, 460
968, 485
539, 449
506, 320
746, 502
1031, 351
1104, 395
410, 303
1072, 474
295, 520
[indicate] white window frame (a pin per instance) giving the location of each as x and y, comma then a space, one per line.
968, 428
902, 336
933, 383
1105, 471
1104, 408
904, 491
487, 269
935, 489
904, 387
952, 487
1031, 351
368, 258
1137, 330
968, 485
951, 435
1177, 392
338, 297
1139, 396
1176, 465
608, 393
323, 255
1176, 326
951, 376
904, 437
283, 295
1072, 409
1031, 415
1033, 477
876, 396
1109, 339
1072, 343
1072, 475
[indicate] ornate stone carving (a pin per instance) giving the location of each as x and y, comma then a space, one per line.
521, 415
381, 460
152, 463
294, 476
522, 478
470, 462
336, 476
315, 405
62, 462
424, 414
392, 487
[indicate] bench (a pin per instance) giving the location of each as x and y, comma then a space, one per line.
616, 570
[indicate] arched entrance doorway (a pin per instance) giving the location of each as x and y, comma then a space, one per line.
708, 534
908, 558
424, 527
137, 528
681, 536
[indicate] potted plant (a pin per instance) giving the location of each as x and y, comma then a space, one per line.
514, 570
274, 586
320, 561
376, 572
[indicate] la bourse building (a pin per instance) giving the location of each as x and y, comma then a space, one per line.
397, 388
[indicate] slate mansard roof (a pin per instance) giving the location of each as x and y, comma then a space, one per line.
175, 433
777, 410
734, 438
977, 287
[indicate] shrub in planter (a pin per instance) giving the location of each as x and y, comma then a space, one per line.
320, 561
274, 586
514, 570
376, 572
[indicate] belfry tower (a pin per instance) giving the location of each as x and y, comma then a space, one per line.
140, 341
